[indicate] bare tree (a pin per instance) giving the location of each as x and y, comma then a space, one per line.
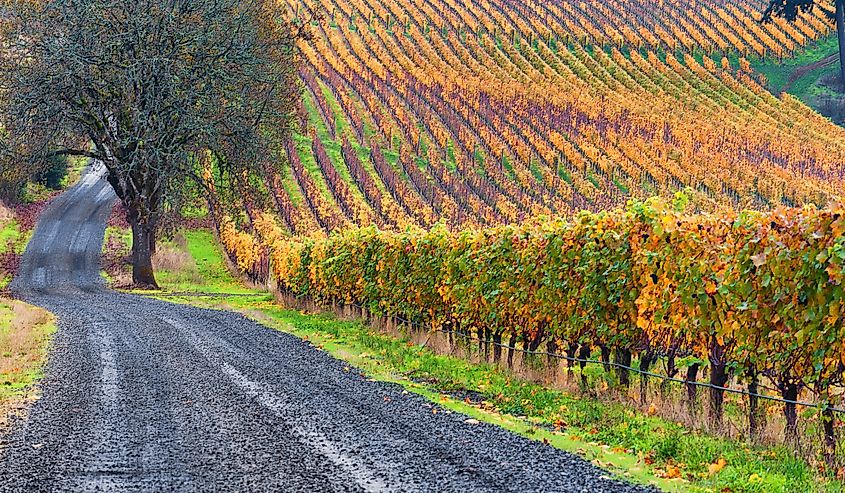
150, 88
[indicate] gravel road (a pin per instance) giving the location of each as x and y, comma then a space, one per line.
144, 395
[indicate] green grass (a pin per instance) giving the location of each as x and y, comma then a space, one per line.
10, 235
76, 165
12, 240
807, 86
211, 265
333, 147
309, 162
628, 443
204, 272
24, 337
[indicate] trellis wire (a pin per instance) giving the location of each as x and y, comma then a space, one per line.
611, 363
568, 358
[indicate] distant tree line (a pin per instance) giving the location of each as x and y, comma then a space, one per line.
15, 175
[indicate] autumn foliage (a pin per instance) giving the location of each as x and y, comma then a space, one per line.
488, 166
759, 292
493, 112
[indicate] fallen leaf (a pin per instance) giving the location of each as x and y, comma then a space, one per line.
652, 410
671, 472
717, 466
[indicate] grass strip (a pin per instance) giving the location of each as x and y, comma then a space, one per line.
630, 444
25, 333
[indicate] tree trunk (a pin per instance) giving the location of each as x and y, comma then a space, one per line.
840, 32
623, 358
480, 334
484, 340
497, 346
645, 363
511, 346
718, 378
692, 389
534, 343
671, 371
551, 349
755, 417
789, 391
828, 421
605, 357
571, 351
142, 256
583, 354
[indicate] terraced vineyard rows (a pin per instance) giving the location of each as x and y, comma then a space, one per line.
482, 113
554, 116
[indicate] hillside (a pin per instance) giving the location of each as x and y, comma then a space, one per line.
421, 245
604, 182
484, 113
811, 75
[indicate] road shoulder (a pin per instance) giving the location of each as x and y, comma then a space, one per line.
25, 334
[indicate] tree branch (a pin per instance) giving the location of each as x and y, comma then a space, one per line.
74, 152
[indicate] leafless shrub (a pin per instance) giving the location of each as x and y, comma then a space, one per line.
175, 259
6, 214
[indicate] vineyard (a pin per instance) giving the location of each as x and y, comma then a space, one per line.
488, 166
485, 113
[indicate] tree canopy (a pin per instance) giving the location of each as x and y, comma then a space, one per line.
151, 88
790, 9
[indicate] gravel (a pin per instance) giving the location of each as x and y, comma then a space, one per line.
144, 395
